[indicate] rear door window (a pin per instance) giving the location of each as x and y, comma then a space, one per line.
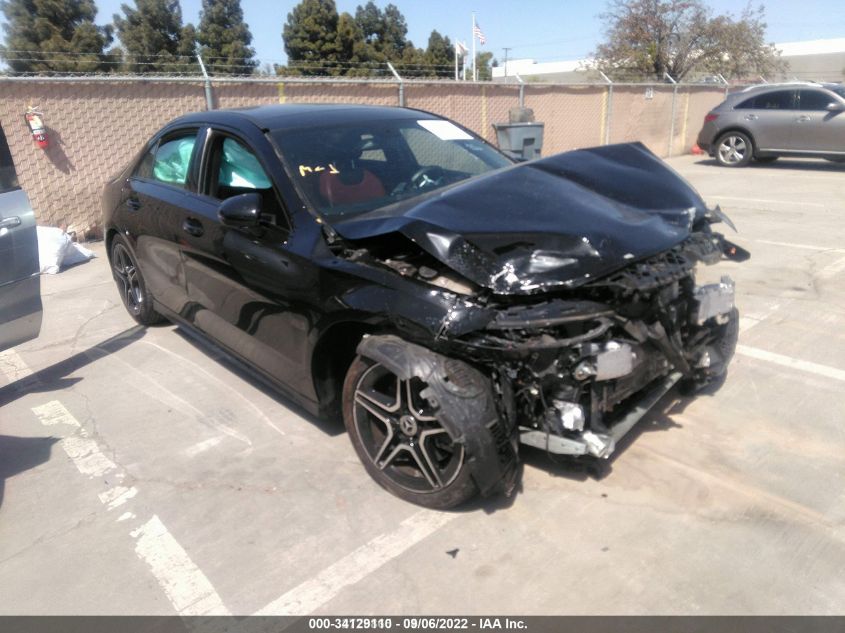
777, 100
172, 159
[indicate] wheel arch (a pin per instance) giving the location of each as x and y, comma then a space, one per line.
332, 355
110, 235
464, 399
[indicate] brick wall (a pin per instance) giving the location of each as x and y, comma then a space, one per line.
94, 128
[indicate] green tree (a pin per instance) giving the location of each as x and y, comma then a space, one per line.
395, 32
224, 38
54, 36
439, 57
485, 63
311, 39
384, 32
648, 38
154, 39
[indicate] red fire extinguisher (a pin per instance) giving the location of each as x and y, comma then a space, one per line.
36, 126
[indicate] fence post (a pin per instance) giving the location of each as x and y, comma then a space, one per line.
401, 85
209, 96
608, 115
674, 111
727, 85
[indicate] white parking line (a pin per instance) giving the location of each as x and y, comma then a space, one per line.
765, 200
13, 366
831, 270
792, 363
357, 565
200, 447
810, 247
188, 589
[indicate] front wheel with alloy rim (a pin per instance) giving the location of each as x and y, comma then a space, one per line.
130, 284
734, 149
400, 441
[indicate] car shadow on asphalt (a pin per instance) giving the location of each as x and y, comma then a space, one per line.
786, 164
55, 377
327, 425
19, 454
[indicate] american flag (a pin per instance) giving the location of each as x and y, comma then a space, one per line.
476, 31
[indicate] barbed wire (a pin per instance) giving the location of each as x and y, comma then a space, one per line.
120, 63
174, 65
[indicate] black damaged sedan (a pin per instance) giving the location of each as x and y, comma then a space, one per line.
387, 266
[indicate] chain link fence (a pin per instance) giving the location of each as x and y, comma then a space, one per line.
95, 125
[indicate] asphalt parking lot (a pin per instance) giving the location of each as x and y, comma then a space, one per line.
142, 474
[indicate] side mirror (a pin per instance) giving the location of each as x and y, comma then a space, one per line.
833, 106
241, 211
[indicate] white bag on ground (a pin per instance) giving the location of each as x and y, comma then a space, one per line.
53, 243
76, 254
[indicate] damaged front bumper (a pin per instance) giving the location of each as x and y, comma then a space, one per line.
583, 372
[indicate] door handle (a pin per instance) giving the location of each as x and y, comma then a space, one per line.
193, 227
803, 118
751, 117
133, 203
9, 223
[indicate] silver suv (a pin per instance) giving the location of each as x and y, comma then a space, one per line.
765, 122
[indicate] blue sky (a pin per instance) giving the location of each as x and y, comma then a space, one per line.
545, 30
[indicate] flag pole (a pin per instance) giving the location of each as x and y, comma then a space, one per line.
456, 59
474, 69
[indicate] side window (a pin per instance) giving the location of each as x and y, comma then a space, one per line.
748, 104
814, 100
8, 175
145, 167
778, 100
234, 170
239, 168
173, 159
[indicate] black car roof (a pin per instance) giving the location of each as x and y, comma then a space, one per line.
284, 116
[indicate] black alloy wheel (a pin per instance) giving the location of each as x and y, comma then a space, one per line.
398, 437
130, 284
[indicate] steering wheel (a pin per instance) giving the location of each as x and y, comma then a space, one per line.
427, 176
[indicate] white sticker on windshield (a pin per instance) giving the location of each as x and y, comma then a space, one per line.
445, 130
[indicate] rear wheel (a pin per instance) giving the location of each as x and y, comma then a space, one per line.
130, 284
399, 439
734, 149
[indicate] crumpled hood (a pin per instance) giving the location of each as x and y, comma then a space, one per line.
557, 221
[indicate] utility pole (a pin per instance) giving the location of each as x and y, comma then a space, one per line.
506, 49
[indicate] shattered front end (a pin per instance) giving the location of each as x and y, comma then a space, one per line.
583, 369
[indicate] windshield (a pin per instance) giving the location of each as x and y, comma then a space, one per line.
840, 90
359, 167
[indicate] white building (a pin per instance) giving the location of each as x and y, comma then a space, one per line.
812, 60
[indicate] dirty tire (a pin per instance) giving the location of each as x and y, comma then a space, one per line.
130, 284
429, 469
734, 149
